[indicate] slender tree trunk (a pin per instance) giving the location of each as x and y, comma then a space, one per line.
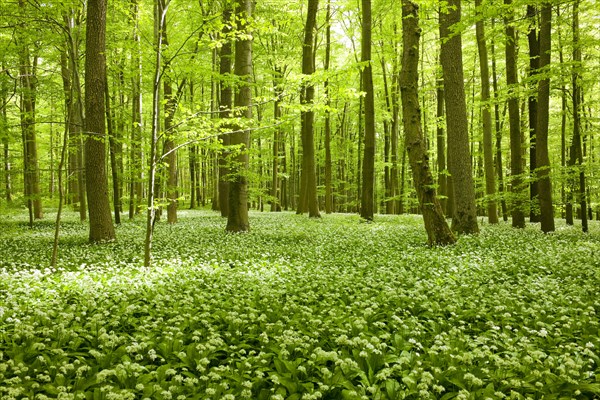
368, 170
61, 194
328, 173
159, 18
394, 141
438, 232
277, 134
488, 146
76, 123
388, 205
27, 79
135, 153
498, 133
5, 148
112, 140
170, 151
101, 225
192, 166
576, 146
565, 200
542, 156
7, 171
309, 174
516, 164
225, 105
170, 104
464, 219
534, 63
237, 217
441, 146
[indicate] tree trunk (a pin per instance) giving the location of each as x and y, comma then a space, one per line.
498, 133
328, 188
192, 167
309, 174
170, 104
225, 105
464, 219
28, 81
534, 63
576, 145
438, 232
7, 171
488, 147
516, 164
135, 153
5, 148
101, 226
542, 156
568, 211
237, 218
441, 146
112, 140
277, 134
394, 140
368, 169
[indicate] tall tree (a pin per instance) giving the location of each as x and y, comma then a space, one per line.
441, 145
542, 156
328, 173
464, 219
135, 153
516, 162
225, 105
486, 114
436, 226
498, 131
74, 107
5, 138
27, 79
576, 152
169, 146
308, 188
101, 226
368, 169
534, 64
237, 217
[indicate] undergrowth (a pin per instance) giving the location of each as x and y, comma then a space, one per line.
299, 309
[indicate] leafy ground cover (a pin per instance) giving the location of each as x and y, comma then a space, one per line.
299, 309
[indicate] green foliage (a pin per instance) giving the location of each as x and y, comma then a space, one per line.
297, 308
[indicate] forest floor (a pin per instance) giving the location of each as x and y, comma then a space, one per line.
299, 309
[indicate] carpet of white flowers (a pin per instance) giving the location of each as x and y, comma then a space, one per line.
299, 309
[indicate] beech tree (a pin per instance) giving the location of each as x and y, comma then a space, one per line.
225, 105
368, 170
237, 216
437, 229
27, 80
514, 120
543, 100
464, 219
486, 116
308, 188
101, 225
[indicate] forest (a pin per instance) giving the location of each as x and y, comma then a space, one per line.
338, 199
